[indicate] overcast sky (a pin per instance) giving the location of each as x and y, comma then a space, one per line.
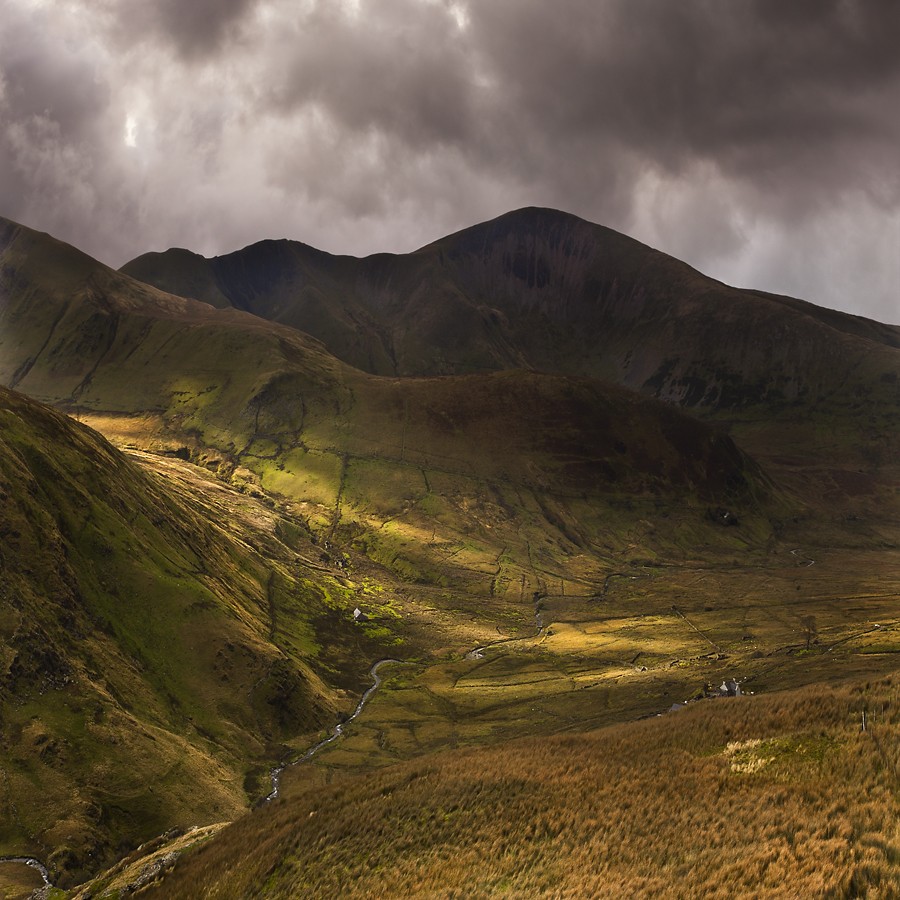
758, 140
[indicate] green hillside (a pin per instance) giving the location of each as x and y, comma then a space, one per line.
811, 393
158, 650
545, 551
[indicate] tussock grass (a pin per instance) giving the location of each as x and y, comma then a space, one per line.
656, 808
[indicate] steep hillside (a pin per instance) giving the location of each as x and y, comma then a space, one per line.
541, 289
269, 403
811, 393
143, 671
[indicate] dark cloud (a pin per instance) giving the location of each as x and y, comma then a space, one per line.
785, 98
405, 73
52, 102
194, 30
741, 136
199, 27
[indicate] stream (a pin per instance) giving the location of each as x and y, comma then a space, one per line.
276, 772
336, 733
478, 652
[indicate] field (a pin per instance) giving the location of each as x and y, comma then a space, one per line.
655, 637
569, 644
593, 645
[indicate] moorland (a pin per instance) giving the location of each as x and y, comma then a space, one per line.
569, 484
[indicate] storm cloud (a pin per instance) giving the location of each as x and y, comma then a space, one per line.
756, 139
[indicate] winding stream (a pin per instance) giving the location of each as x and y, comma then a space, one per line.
336, 733
276, 772
478, 652
338, 729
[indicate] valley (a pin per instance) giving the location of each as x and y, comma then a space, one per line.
568, 516
622, 647
724, 798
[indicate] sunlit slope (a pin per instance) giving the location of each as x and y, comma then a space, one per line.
495, 482
767, 796
71, 328
154, 649
389, 463
812, 393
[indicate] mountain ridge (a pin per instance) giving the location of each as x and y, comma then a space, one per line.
542, 289
243, 393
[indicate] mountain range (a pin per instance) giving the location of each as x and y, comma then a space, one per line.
563, 477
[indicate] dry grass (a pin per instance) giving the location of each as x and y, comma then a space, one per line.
18, 881
775, 796
144, 864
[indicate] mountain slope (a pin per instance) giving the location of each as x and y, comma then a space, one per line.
812, 394
142, 672
461, 512
766, 796
541, 289
244, 393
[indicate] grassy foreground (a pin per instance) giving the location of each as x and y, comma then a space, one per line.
765, 796
171, 629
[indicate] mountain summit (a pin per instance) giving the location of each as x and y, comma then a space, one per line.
541, 289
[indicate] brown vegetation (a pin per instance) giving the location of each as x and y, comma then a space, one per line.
198, 630
777, 796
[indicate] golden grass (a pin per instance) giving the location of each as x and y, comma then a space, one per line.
18, 881
626, 654
138, 867
657, 808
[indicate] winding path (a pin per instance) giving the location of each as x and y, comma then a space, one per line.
804, 560
338, 729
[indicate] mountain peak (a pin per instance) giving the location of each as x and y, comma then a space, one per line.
543, 289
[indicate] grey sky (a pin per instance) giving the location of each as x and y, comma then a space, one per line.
757, 139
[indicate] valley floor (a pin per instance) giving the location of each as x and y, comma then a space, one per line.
599, 645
